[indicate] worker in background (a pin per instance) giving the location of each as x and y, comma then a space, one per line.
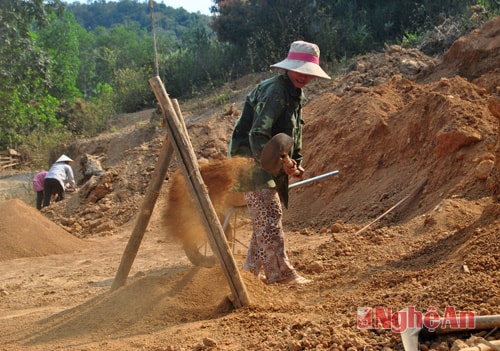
38, 184
58, 175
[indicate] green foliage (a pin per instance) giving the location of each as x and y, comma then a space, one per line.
342, 27
222, 98
264, 29
132, 89
60, 40
121, 47
24, 71
88, 118
37, 146
131, 44
21, 117
491, 6
410, 39
87, 74
361, 40
439, 38
100, 110
201, 62
115, 13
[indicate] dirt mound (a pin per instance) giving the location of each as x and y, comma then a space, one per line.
113, 198
160, 301
471, 57
24, 232
387, 140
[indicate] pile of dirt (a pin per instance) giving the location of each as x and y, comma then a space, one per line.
387, 141
112, 198
410, 220
25, 232
474, 57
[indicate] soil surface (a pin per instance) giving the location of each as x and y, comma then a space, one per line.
410, 221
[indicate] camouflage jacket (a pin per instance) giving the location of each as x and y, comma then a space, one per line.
274, 106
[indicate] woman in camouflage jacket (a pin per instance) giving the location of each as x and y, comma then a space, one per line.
273, 107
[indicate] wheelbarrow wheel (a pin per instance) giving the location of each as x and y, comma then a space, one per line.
201, 254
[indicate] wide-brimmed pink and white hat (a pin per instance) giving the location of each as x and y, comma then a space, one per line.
303, 57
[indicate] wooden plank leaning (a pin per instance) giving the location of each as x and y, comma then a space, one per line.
146, 209
198, 191
144, 215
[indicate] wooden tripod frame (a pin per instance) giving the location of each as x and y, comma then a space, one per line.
180, 143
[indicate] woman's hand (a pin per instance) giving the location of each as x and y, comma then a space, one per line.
290, 166
300, 173
292, 169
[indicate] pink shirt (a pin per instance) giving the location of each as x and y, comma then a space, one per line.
39, 180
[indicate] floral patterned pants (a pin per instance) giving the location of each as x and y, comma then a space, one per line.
267, 245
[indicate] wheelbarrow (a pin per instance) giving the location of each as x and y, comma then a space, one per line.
274, 155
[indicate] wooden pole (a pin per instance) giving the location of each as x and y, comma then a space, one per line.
144, 216
178, 112
184, 150
146, 211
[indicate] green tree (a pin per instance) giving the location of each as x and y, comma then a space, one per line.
87, 76
25, 75
133, 91
60, 40
200, 62
264, 29
121, 54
